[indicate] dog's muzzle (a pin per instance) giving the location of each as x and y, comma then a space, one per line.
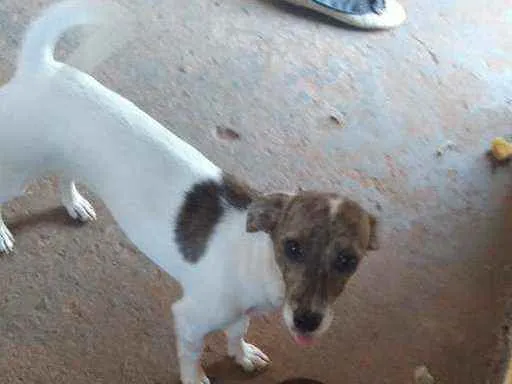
306, 321
306, 325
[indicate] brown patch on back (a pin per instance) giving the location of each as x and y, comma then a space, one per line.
198, 216
205, 204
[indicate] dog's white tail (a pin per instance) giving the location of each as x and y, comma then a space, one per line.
42, 36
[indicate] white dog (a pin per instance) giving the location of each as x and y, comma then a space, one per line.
233, 250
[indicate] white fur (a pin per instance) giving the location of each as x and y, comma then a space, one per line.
55, 119
334, 205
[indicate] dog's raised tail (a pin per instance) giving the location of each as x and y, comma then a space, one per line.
43, 34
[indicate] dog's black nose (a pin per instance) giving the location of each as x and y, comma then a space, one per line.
307, 321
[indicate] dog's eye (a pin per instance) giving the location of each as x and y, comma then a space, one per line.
346, 261
293, 250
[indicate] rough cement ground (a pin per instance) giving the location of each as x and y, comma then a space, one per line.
79, 305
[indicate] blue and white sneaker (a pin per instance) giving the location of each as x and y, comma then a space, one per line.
365, 14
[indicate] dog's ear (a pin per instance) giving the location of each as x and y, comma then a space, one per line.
364, 224
373, 233
264, 213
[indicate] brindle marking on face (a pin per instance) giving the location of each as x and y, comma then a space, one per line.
325, 227
204, 205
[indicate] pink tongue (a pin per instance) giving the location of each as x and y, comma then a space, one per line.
304, 341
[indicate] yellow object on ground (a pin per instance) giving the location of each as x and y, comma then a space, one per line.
508, 374
501, 148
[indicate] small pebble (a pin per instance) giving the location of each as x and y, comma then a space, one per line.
225, 133
42, 305
337, 118
445, 147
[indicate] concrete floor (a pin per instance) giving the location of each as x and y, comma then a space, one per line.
78, 304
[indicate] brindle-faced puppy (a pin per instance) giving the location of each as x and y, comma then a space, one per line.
174, 204
319, 240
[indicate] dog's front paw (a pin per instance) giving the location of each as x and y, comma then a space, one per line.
191, 374
251, 358
80, 209
6, 239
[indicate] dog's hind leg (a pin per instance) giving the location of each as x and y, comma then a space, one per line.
249, 357
76, 205
6, 237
